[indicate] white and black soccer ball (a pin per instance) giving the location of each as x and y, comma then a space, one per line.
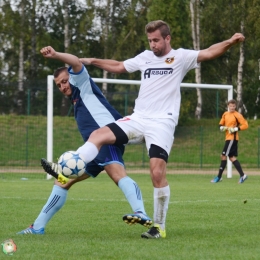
71, 164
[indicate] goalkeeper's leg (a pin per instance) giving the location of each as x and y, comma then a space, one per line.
222, 166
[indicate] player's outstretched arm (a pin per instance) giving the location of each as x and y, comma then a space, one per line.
220, 48
112, 66
72, 60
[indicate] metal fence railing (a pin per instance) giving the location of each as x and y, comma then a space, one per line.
196, 148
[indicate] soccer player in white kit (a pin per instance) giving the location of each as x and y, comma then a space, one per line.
156, 108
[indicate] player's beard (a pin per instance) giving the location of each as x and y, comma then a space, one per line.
157, 52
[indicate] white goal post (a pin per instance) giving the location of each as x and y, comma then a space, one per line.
229, 88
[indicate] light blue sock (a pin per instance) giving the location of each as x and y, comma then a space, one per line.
132, 193
55, 202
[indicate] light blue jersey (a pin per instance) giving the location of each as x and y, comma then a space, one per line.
92, 110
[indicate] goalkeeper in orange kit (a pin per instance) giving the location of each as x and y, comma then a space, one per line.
231, 122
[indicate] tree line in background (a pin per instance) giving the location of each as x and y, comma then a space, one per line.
115, 29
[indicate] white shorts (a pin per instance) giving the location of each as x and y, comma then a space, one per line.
157, 131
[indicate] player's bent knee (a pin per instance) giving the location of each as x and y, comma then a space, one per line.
232, 158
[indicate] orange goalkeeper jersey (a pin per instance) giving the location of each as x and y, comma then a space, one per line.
233, 119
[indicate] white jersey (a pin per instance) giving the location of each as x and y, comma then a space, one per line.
159, 95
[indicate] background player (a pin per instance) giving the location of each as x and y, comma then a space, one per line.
231, 122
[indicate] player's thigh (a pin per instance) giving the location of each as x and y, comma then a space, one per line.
160, 132
133, 128
102, 136
230, 148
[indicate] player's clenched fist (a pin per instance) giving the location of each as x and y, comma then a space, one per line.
47, 51
237, 37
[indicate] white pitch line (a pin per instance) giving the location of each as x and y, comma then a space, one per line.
124, 200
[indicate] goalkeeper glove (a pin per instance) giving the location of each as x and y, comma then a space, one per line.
223, 128
232, 130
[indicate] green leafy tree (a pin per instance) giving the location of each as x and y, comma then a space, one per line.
224, 70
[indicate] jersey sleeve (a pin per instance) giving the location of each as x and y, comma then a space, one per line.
222, 120
80, 78
133, 64
242, 122
190, 58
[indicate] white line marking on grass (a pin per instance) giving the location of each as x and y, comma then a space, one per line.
11, 198
124, 200
76, 199
110, 200
205, 201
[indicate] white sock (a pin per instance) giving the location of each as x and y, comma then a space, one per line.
89, 151
161, 202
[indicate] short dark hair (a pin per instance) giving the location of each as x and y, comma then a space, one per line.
58, 71
160, 25
232, 101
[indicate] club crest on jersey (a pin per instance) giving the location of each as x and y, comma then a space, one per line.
75, 101
169, 60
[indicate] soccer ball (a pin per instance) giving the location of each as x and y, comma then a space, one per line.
71, 164
9, 247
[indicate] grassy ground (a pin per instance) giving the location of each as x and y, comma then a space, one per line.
204, 221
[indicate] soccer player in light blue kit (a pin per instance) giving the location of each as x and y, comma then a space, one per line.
92, 111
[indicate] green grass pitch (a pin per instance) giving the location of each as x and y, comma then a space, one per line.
204, 221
